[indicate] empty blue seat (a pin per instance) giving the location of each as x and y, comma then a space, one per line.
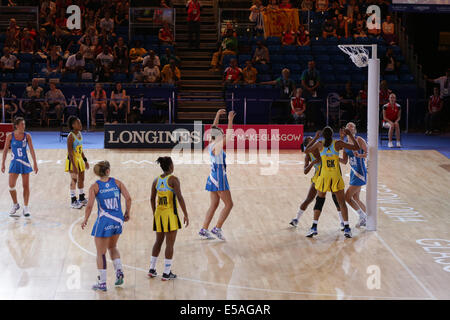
325, 67
348, 40
391, 78
305, 58
55, 75
263, 77
327, 77
243, 58
120, 77
303, 50
70, 77
359, 77
294, 68
406, 78
24, 67
316, 49
342, 77
262, 68
288, 49
21, 77
273, 49
317, 41
227, 59
338, 68
404, 68
26, 57
276, 58
290, 58
6, 76
273, 41
322, 59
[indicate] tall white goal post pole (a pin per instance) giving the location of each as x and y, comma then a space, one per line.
373, 116
360, 57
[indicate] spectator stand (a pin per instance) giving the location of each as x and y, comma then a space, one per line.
145, 23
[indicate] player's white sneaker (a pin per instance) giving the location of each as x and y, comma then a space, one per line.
218, 233
205, 234
294, 222
399, 145
76, 205
390, 144
14, 209
83, 202
26, 213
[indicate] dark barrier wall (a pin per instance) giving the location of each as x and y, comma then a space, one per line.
152, 135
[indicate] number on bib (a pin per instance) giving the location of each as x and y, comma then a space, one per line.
330, 163
19, 152
162, 201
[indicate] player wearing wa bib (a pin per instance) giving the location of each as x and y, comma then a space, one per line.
358, 171
330, 174
217, 179
166, 215
77, 154
110, 217
19, 162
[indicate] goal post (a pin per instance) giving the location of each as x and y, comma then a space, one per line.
360, 57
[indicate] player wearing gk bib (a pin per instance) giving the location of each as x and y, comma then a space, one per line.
108, 226
166, 190
358, 175
19, 141
330, 175
217, 182
311, 161
76, 162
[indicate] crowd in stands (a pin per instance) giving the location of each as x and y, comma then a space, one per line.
99, 51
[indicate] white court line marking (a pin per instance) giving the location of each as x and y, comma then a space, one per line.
261, 289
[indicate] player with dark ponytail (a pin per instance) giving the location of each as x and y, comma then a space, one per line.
330, 174
166, 221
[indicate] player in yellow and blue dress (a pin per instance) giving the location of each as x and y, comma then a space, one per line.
330, 174
311, 160
217, 182
108, 226
166, 221
19, 141
76, 162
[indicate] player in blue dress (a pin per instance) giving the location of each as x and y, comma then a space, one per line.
358, 174
19, 140
217, 182
108, 226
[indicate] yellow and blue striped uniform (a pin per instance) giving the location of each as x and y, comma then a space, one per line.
77, 147
316, 168
330, 174
166, 214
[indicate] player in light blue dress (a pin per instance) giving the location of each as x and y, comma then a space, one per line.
110, 219
358, 175
19, 141
217, 182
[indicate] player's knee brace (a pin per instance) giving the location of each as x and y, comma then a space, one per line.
336, 202
319, 203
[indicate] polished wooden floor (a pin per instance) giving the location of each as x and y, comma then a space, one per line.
44, 257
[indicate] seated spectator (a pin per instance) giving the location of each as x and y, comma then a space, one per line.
229, 41
121, 17
153, 57
31, 30
13, 27
307, 5
137, 53
165, 35
321, 5
261, 54
285, 4
62, 41
391, 119
105, 40
87, 49
288, 37
138, 74
256, 16
334, 10
10, 106
33, 92
91, 32
360, 33
272, 5
8, 63
434, 114
61, 20
281, 110
249, 73
328, 29
54, 62
298, 107
167, 56
388, 28
303, 36
118, 106
170, 73
49, 23
385, 92
27, 43
107, 24
121, 56
12, 41
388, 63
75, 64
311, 79
151, 72
90, 20
217, 59
54, 100
232, 74
341, 26
42, 43
98, 101
105, 63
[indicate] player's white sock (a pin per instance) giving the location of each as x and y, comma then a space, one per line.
167, 265
153, 262
73, 193
102, 275
340, 217
117, 264
345, 223
299, 213
80, 191
361, 214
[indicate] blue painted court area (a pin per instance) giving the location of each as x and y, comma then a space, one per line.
95, 140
